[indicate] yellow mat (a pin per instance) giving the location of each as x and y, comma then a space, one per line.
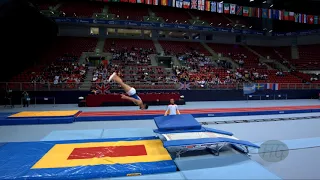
58, 156
45, 113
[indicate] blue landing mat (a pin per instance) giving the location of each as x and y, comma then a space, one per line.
292, 144
37, 120
178, 122
231, 166
18, 158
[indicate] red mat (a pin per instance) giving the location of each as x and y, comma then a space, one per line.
194, 111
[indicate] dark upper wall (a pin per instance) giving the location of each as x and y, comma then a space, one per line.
24, 35
218, 37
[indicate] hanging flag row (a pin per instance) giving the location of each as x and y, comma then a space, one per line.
227, 8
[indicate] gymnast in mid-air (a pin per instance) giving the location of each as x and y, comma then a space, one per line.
131, 92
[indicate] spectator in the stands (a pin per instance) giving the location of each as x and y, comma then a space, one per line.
280, 73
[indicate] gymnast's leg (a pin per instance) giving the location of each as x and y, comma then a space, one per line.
119, 81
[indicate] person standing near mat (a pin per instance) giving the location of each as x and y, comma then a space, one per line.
172, 109
131, 92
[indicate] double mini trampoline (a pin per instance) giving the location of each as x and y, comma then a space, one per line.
184, 133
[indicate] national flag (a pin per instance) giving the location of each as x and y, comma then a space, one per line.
201, 5
233, 9
186, 4
194, 4
275, 14
213, 6
258, 12
264, 13
249, 88
270, 13
123, 0
102, 88
220, 7
172, 3
291, 16
239, 10
304, 19
270, 86
251, 12
245, 11
178, 3
155, 2
286, 15
260, 86
310, 19
208, 5
296, 18
148, 2
164, 2
184, 86
132, 1
226, 7
123, 154
273, 86
280, 14
300, 18
316, 20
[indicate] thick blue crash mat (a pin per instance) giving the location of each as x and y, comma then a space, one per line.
84, 159
39, 117
36, 120
177, 122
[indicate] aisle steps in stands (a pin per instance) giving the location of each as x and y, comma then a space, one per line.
256, 53
294, 52
153, 60
86, 85
100, 46
57, 7
216, 56
157, 45
175, 61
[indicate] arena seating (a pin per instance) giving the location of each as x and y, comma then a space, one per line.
128, 11
70, 45
266, 51
212, 18
237, 52
118, 44
65, 53
240, 20
46, 5
273, 78
309, 57
307, 77
80, 9
285, 54
140, 48
172, 15
176, 47
98, 100
284, 51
